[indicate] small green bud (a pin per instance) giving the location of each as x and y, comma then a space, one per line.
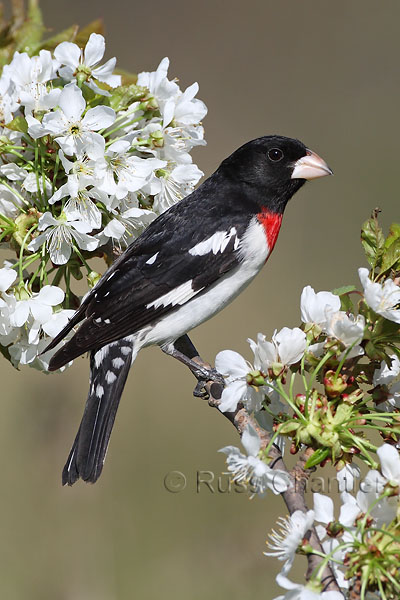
21, 293
93, 278
157, 138
288, 427
255, 378
276, 369
304, 437
23, 223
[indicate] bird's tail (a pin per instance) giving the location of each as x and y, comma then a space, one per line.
109, 369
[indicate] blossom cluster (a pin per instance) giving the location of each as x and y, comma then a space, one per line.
86, 164
361, 542
345, 358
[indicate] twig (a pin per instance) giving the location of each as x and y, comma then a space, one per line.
294, 497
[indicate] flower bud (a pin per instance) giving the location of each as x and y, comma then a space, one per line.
93, 278
334, 386
23, 224
255, 378
334, 529
157, 138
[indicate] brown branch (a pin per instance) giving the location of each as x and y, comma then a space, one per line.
294, 497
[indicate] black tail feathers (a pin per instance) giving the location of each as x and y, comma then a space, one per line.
109, 369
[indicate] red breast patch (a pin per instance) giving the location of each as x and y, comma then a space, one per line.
272, 224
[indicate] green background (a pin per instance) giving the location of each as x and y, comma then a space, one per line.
325, 72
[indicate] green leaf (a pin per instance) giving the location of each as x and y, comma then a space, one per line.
394, 234
68, 35
28, 36
391, 257
373, 240
317, 458
84, 34
345, 289
124, 95
18, 124
346, 303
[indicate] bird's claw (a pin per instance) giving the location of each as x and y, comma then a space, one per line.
200, 391
203, 377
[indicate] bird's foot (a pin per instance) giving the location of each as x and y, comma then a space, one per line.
203, 376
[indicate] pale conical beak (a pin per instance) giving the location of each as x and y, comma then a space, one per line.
310, 166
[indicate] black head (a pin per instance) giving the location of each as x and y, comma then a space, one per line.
272, 168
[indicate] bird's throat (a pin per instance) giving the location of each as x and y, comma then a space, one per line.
272, 223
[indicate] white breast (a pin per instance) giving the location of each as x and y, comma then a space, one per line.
253, 249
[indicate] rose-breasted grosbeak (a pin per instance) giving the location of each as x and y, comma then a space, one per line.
186, 266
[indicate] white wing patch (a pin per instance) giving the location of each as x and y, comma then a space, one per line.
178, 295
152, 259
216, 243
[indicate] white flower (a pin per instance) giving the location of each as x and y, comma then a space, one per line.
176, 185
181, 108
349, 330
324, 511
234, 367
346, 477
75, 135
127, 225
80, 175
368, 499
85, 63
8, 333
22, 351
25, 70
383, 299
57, 322
287, 348
13, 172
284, 543
250, 469
297, 591
10, 202
60, 235
313, 306
178, 141
30, 75
390, 463
119, 172
8, 98
30, 184
393, 399
81, 203
158, 83
7, 278
385, 374
39, 306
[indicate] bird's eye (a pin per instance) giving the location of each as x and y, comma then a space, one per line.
275, 154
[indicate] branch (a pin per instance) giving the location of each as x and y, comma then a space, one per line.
294, 497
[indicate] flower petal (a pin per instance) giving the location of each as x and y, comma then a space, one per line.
323, 508
231, 363
94, 50
232, 395
251, 441
68, 54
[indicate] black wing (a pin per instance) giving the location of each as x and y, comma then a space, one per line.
156, 264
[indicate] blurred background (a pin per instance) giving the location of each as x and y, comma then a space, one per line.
324, 72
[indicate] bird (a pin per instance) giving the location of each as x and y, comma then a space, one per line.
189, 263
